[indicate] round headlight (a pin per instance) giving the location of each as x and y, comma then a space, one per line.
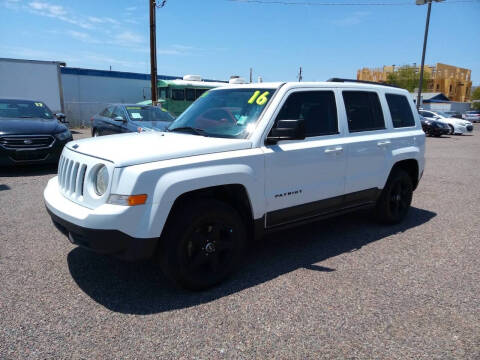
101, 180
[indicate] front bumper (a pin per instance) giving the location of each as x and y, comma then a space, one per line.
102, 230
440, 131
48, 155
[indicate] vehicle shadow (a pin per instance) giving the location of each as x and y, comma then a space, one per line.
140, 288
30, 170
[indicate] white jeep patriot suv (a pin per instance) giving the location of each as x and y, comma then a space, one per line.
240, 161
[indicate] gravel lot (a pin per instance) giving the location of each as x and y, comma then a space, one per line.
341, 288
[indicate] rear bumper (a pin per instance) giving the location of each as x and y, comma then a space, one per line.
110, 242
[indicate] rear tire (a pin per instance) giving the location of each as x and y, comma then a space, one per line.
203, 243
394, 202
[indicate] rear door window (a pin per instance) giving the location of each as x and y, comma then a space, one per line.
364, 112
400, 110
107, 112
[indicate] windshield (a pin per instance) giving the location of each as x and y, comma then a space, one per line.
442, 114
148, 113
230, 113
15, 109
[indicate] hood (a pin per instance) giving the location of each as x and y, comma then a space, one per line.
138, 148
31, 126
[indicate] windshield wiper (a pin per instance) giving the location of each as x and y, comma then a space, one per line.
25, 117
196, 131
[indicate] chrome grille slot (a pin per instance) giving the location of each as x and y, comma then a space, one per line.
73, 178
68, 170
27, 141
81, 180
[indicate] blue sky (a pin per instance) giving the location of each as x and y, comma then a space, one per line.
218, 38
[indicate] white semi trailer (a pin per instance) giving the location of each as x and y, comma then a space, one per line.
33, 80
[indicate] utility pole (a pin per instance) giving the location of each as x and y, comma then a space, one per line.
153, 51
425, 38
300, 75
251, 75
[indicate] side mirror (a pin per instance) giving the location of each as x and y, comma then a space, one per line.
287, 130
61, 117
119, 118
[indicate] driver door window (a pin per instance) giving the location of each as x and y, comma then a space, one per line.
316, 108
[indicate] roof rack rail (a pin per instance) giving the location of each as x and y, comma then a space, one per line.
361, 81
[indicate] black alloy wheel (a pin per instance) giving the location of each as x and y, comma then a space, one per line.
396, 198
203, 244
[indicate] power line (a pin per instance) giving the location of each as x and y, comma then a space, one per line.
362, 3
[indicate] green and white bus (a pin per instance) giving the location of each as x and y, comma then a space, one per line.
176, 95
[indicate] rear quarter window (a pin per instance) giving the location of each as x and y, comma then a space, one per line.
400, 111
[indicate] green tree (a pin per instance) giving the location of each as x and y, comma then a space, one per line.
407, 77
476, 96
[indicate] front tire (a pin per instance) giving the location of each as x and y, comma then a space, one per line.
202, 245
452, 130
394, 202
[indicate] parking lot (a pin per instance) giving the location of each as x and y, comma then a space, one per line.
340, 288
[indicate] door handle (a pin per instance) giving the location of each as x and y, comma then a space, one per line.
334, 150
384, 143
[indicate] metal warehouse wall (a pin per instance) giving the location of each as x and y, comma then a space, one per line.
87, 91
460, 107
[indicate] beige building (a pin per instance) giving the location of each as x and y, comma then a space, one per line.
450, 80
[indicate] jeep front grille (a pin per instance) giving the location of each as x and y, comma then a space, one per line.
71, 177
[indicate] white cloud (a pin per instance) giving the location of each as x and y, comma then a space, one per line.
56, 12
83, 36
131, 8
128, 38
353, 19
102, 20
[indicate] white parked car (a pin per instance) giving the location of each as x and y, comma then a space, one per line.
473, 116
457, 126
239, 162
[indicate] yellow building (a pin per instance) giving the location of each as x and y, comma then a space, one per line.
450, 80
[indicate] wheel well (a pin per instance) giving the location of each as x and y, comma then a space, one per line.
411, 167
233, 194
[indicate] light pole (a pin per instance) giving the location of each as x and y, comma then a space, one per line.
152, 5
420, 85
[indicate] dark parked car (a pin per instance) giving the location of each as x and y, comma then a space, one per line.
433, 127
30, 133
122, 118
454, 114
